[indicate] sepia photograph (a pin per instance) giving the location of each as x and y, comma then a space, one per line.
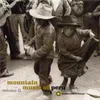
49, 49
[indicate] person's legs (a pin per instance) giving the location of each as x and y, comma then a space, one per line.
14, 27
72, 82
14, 49
64, 83
72, 86
21, 23
36, 67
14, 38
44, 71
3, 54
42, 68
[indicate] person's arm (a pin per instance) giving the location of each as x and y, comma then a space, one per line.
96, 12
86, 33
48, 40
65, 52
67, 8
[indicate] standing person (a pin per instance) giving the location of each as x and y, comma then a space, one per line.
17, 20
73, 56
3, 46
44, 54
6, 28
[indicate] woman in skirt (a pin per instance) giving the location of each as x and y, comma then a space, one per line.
72, 54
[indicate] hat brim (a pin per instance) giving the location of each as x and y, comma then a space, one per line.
34, 14
68, 25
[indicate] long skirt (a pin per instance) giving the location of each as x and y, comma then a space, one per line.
71, 68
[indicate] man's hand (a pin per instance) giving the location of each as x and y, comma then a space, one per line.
91, 34
29, 50
77, 58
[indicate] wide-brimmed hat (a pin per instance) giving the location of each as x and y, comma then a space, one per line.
43, 11
69, 21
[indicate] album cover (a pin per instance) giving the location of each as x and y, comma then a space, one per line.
30, 70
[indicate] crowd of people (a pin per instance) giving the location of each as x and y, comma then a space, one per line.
73, 27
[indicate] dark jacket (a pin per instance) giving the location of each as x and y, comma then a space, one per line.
20, 7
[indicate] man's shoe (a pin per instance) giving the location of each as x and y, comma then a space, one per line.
73, 88
16, 57
7, 74
44, 97
64, 83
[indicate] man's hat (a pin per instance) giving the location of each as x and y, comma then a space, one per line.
43, 11
69, 21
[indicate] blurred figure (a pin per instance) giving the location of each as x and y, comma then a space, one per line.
91, 21
17, 20
6, 28
3, 46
